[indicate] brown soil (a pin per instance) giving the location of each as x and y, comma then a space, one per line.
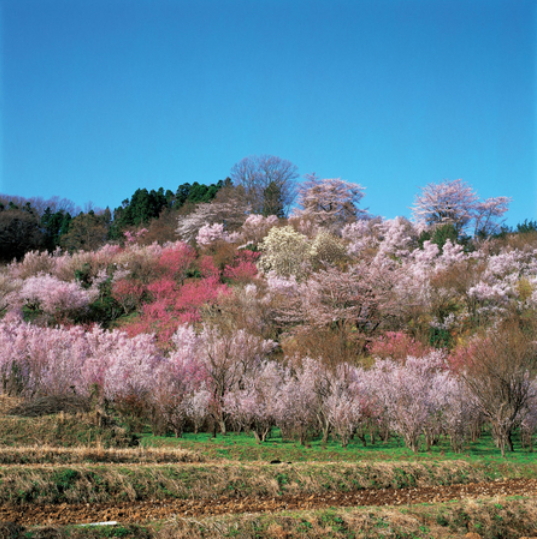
139, 512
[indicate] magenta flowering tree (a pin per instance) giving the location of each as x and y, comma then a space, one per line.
176, 260
397, 345
129, 294
244, 268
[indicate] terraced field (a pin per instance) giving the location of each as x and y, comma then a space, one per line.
199, 487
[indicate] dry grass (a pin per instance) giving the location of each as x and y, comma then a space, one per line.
505, 518
52, 404
98, 454
63, 430
132, 482
8, 403
491, 519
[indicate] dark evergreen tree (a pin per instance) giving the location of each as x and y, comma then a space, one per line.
20, 232
273, 203
87, 231
54, 225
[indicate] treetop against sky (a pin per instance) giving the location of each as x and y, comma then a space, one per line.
102, 98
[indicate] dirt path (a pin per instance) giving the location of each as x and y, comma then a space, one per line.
139, 512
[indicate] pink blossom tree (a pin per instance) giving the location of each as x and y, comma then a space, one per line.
229, 358
449, 202
406, 391
297, 412
232, 213
58, 300
254, 405
343, 404
255, 228
332, 203
456, 203
209, 234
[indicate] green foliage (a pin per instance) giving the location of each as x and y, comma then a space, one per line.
55, 225
273, 203
87, 231
117, 531
65, 479
526, 227
440, 234
105, 309
20, 232
145, 206
440, 338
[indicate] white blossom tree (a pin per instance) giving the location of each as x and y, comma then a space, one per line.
285, 252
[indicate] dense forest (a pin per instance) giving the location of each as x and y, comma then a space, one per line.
37, 224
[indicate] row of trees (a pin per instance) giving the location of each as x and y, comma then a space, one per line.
215, 379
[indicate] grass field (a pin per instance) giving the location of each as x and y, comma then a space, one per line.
242, 447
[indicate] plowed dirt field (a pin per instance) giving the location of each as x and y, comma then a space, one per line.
140, 512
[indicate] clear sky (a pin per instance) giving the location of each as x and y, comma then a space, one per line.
101, 97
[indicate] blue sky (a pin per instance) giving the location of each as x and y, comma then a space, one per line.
101, 97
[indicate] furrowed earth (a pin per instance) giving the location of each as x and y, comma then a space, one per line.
147, 511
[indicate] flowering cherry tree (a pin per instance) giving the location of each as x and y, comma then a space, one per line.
455, 203
254, 405
229, 358
58, 300
406, 391
233, 214
332, 203
255, 228
343, 404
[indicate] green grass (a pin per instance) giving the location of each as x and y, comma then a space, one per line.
243, 447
